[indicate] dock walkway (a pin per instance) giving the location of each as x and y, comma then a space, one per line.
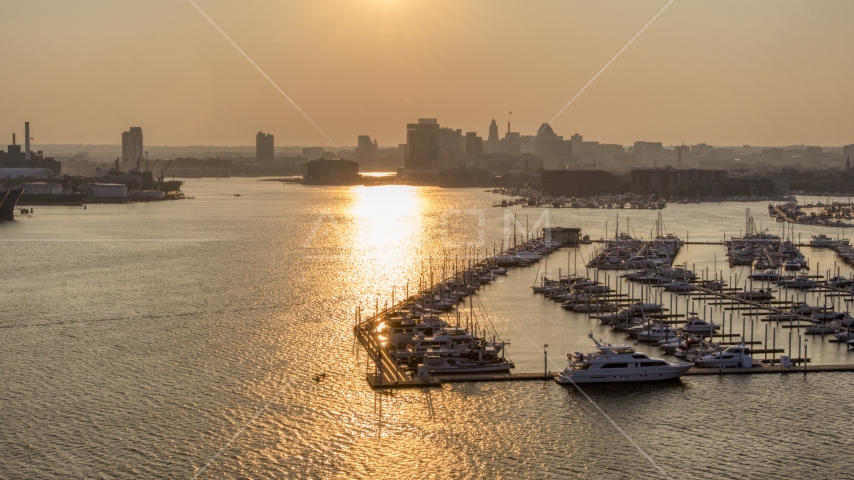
439, 380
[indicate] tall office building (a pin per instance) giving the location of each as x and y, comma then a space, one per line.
132, 145
422, 144
474, 144
264, 151
451, 140
493, 144
367, 148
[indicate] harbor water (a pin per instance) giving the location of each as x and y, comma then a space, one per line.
175, 339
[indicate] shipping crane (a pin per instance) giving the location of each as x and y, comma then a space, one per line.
163, 172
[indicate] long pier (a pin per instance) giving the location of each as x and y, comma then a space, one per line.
694, 371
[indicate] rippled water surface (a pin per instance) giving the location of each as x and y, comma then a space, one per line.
159, 339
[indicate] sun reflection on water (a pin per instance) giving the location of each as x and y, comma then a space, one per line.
387, 233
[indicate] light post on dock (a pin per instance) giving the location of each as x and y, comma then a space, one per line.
545, 360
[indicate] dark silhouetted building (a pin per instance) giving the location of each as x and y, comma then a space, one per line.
492, 141
474, 144
264, 147
331, 172
548, 144
695, 182
581, 183
451, 140
366, 148
422, 144
132, 149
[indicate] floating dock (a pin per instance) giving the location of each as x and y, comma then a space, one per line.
439, 380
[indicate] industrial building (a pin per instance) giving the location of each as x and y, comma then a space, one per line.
563, 235
42, 188
331, 172
581, 183
16, 158
107, 190
671, 182
12, 173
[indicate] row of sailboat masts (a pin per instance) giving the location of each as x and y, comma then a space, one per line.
528, 233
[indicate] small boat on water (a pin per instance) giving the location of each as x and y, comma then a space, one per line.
617, 364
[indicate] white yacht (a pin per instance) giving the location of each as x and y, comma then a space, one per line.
734, 356
617, 364
656, 332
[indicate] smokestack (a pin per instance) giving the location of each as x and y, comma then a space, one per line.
13, 139
27, 140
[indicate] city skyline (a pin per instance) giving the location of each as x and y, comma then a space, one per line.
726, 73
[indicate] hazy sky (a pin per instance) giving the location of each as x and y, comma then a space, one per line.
721, 72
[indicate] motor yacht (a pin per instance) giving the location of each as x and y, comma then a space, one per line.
655, 332
439, 365
792, 265
733, 356
617, 364
698, 325
610, 318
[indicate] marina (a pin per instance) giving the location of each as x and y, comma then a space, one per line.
630, 300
